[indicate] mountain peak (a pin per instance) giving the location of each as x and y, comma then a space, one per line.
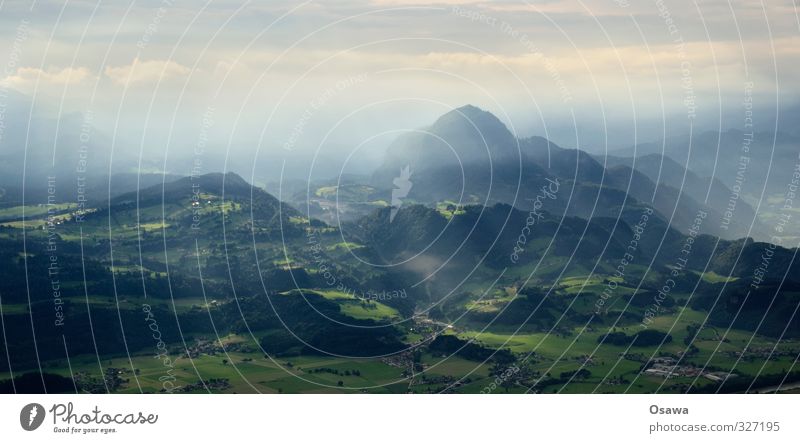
463, 136
471, 118
230, 182
469, 109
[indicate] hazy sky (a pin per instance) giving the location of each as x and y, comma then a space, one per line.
293, 75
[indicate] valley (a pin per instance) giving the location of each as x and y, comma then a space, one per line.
557, 276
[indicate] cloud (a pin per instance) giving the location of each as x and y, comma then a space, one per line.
26, 77
146, 71
422, 2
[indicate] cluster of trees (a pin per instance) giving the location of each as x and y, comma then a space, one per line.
36, 383
578, 373
346, 372
452, 345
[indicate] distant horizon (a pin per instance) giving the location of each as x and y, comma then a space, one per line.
617, 68
400, 197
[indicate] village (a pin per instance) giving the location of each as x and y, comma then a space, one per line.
668, 367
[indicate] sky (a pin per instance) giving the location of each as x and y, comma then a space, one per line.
287, 78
